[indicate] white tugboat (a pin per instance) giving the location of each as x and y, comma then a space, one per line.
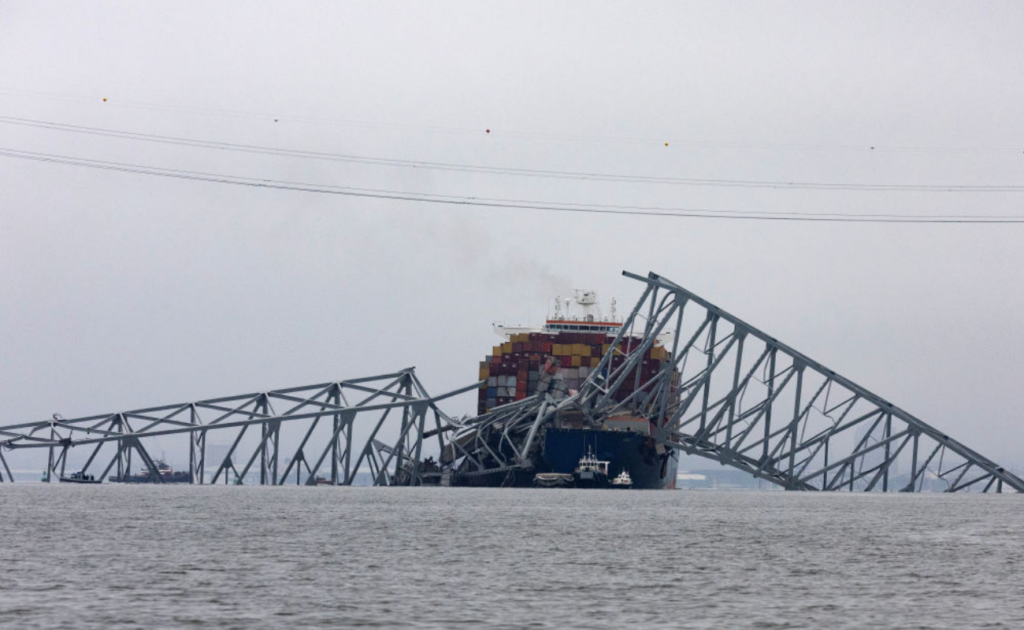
623, 480
591, 472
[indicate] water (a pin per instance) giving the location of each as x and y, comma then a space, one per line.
248, 557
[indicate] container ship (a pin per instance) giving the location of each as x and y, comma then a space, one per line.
558, 359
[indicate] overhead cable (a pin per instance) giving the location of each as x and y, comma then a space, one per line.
508, 171
481, 202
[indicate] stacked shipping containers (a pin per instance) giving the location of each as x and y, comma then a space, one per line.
513, 369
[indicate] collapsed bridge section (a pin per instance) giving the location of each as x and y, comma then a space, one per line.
335, 430
719, 388
733, 394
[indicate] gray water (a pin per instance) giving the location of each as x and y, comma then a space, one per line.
248, 557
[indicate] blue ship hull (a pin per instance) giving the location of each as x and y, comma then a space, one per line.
625, 450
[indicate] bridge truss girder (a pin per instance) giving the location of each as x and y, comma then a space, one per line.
398, 400
734, 394
730, 393
747, 400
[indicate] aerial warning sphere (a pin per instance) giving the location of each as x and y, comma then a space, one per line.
666, 144
488, 131
104, 99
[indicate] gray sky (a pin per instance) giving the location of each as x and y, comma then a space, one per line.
120, 290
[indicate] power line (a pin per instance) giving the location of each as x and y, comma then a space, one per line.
266, 116
494, 170
459, 200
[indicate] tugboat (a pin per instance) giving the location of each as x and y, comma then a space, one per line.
623, 480
78, 477
591, 472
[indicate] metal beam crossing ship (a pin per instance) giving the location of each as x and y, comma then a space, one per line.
555, 360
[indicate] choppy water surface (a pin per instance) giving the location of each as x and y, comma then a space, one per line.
249, 557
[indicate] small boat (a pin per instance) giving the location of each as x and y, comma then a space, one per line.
623, 480
553, 480
77, 477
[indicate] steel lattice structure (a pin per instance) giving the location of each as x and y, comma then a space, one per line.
738, 396
730, 393
366, 403
754, 403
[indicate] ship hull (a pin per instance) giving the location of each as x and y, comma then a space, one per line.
624, 450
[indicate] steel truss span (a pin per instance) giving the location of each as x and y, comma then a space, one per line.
729, 392
346, 421
736, 395
752, 402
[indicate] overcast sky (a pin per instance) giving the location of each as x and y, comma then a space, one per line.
120, 290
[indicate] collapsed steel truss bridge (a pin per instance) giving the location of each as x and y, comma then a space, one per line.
349, 414
729, 393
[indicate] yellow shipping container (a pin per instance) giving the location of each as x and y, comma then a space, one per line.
485, 373
557, 350
585, 350
595, 361
575, 360
605, 348
506, 348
